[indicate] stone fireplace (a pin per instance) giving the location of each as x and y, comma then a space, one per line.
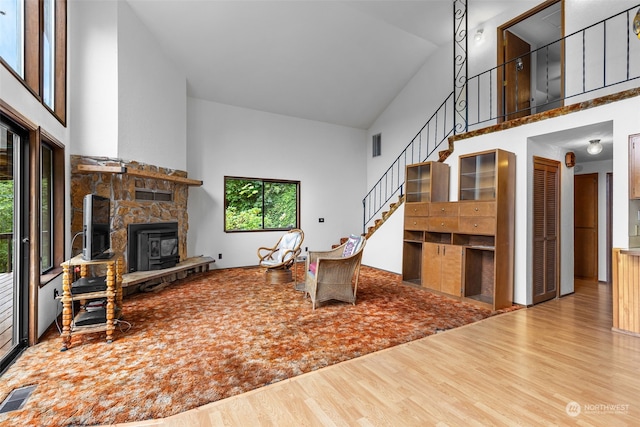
139, 194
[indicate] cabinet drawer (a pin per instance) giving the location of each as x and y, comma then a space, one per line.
416, 222
478, 208
416, 209
448, 224
479, 225
443, 209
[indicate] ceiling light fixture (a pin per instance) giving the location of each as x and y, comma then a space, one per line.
636, 24
594, 147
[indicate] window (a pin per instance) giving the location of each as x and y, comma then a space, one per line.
260, 204
48, 53
33, 46
46, 211
376, 148
51, 205
12, 34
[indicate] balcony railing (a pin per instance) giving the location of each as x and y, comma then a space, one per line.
598, 60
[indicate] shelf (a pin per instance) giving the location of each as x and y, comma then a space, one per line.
138, 173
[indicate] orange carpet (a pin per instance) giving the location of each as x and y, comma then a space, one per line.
213, 336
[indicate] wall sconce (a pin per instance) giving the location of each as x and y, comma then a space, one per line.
570, 159
594, 147
636, 24
479, 35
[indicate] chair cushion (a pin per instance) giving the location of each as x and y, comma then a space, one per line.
288, 243
352, 246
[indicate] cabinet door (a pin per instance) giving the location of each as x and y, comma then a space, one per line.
451, 256
431, 269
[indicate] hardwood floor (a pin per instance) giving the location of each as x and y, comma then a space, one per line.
6, 313
557, 363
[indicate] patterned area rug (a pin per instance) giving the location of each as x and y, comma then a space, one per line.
214, 336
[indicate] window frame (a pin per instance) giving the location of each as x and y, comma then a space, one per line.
33, 57
57, 204
46, 207
263, 181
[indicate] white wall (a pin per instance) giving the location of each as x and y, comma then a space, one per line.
326, 159
128, 100
152, 98
580, 14
93, 77
409, 111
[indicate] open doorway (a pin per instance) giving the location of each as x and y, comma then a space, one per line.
529, 46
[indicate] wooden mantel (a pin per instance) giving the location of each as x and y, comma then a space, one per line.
138, 173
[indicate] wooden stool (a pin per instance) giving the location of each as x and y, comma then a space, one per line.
277, 276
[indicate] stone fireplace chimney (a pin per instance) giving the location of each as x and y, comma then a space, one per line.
139, 193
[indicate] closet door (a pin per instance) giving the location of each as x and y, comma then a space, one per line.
545, 229
585, 223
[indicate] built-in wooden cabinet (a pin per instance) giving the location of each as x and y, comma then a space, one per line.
465, 248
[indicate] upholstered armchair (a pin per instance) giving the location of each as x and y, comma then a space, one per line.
279, 258
333, 275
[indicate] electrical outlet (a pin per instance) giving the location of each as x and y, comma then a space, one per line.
320, 219
55, 293
306, 248
219, 256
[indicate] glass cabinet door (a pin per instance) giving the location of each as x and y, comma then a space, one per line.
419, 183
478, 177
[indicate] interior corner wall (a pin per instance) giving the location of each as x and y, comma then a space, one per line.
93, 77
327, 159
152, 97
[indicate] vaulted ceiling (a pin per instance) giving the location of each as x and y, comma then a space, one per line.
339, 62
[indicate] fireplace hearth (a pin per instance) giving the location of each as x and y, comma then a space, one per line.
152, 246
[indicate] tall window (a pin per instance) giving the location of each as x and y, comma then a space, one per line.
46, 209
33, 46
260, 204
12, 34
48, 52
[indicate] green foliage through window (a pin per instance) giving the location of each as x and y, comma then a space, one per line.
260, 204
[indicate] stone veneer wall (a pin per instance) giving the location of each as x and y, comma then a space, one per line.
125, 209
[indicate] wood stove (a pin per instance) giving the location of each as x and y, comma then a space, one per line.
152, 246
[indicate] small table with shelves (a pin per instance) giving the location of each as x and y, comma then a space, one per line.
113, 295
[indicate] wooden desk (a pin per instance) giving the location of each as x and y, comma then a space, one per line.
113, 295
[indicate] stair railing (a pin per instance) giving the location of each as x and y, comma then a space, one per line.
428, 139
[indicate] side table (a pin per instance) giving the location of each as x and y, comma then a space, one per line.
113, 294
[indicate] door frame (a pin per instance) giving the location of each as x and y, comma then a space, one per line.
501, 57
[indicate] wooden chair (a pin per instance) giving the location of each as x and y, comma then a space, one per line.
279, 259
333, 275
